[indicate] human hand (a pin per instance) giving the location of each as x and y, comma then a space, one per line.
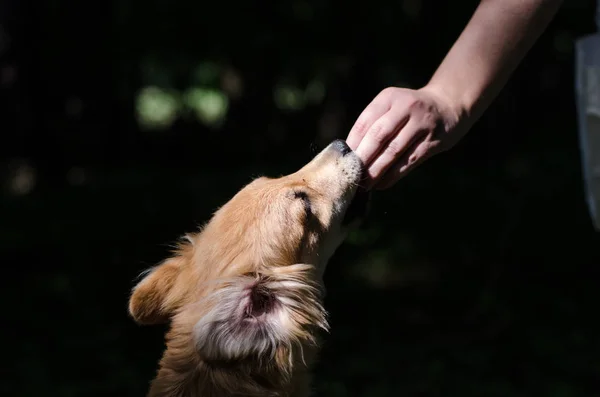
400, 129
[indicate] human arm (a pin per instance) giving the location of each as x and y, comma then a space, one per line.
401, 128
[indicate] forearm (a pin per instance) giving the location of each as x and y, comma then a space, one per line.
490, 47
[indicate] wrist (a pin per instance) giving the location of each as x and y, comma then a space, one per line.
457, 110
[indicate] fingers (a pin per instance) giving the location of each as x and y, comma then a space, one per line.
394, 134
406, 137
419, 152
372, 113
381, 132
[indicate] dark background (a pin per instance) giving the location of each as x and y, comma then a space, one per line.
476, 276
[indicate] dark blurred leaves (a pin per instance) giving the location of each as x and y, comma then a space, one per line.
476, 275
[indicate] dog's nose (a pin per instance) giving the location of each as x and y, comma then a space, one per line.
341, 146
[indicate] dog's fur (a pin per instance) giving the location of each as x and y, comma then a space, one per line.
243, 294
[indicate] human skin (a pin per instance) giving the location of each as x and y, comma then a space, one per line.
402, 127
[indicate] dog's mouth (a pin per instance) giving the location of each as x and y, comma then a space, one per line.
359, 206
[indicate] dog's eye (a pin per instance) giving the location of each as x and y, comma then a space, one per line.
298, 194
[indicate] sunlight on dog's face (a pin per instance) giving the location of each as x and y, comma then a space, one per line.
298, 218
246, 288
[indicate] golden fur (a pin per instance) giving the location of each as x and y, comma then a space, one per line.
243, 294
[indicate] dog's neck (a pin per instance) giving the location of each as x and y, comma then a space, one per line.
182, 373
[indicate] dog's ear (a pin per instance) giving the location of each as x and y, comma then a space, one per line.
154, 299
261, 315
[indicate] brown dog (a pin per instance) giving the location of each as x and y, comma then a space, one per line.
243, 295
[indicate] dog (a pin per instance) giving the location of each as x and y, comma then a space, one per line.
244, 295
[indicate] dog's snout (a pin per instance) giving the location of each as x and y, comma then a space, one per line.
341, 146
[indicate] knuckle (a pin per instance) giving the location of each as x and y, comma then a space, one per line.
379, 132
388, 92
417, 105
414, 100
423, 106
394, 148
429, 120
361, 127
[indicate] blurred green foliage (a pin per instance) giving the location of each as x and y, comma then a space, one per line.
129, 122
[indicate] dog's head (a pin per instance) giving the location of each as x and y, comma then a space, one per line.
247, 286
